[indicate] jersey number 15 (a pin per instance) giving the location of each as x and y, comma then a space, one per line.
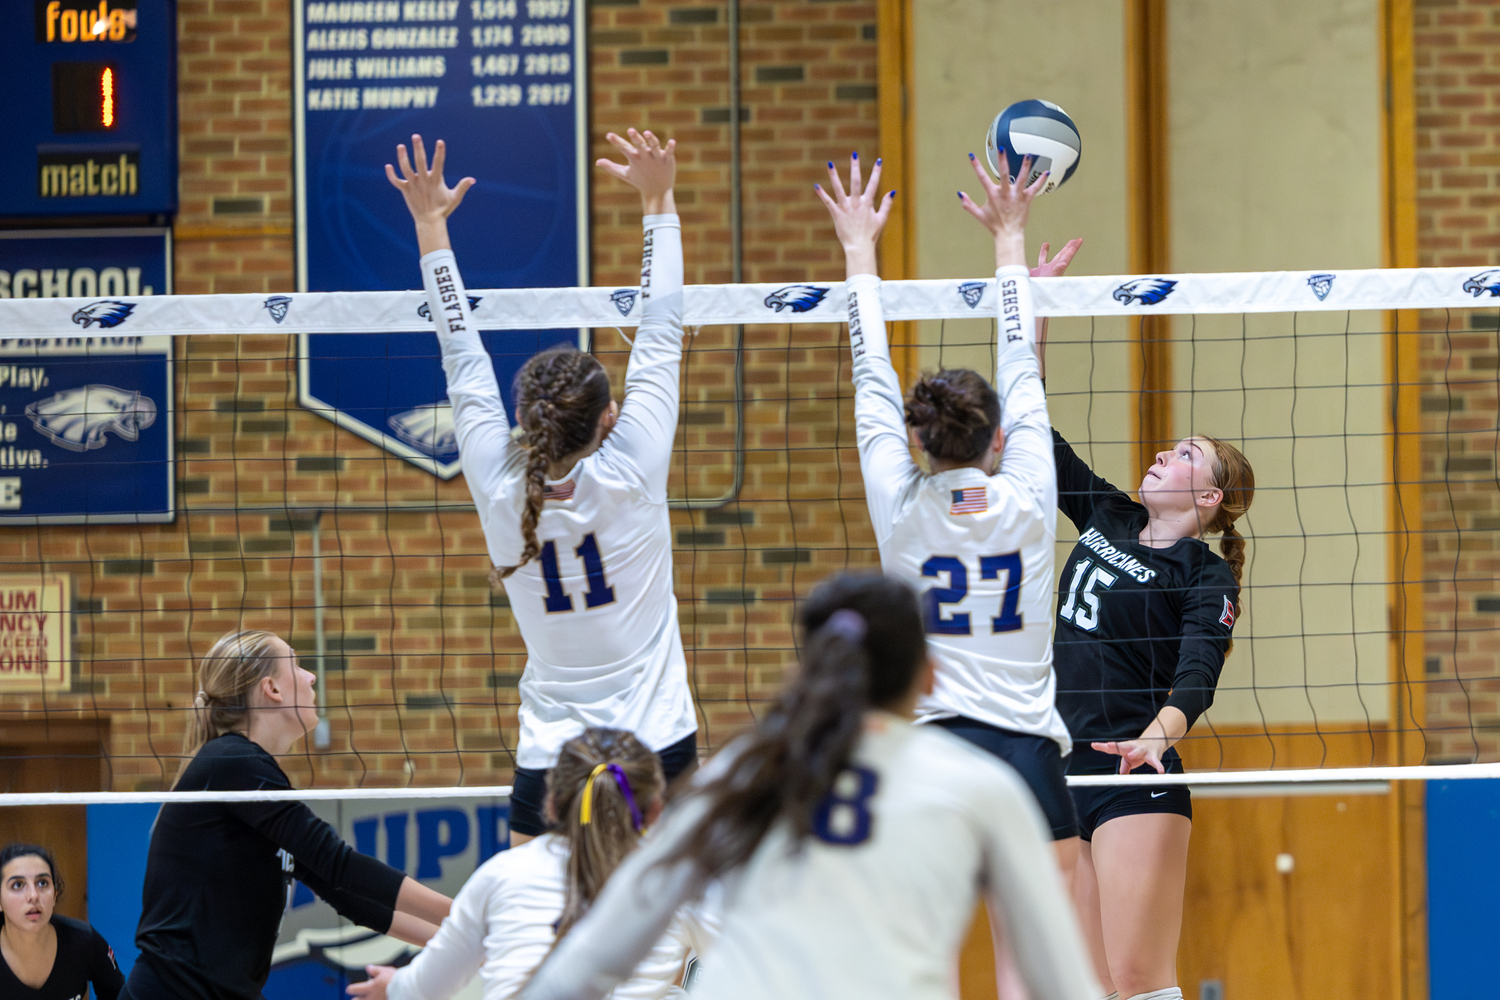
990, 567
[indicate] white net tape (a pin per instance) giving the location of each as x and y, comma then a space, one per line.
708, 305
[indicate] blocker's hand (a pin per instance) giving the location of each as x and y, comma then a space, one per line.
1007, 203
427, 197
649, 167
373, 988
1057, 266
859, 216
1134, 753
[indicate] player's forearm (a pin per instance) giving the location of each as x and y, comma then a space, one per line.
432, 234
659, 204
859, 258
1010, 246
412, 930
1169, 726
421, 902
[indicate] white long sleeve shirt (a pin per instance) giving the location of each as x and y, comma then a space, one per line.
884, 917
500, 926
596, 609
979, 548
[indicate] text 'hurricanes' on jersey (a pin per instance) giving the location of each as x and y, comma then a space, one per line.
874, 905
978, 548
1137, 627
596, 607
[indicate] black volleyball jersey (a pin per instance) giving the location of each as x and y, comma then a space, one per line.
1137, 627
218, 876
83, 957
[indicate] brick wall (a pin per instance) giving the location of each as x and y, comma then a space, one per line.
1458, 169
424, 659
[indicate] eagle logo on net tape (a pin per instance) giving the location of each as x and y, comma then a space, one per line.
797, 298
106, 312
1146, 291
1484, 281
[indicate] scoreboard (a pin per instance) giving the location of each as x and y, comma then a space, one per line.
91, 119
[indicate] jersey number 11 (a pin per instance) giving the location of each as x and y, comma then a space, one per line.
599, 593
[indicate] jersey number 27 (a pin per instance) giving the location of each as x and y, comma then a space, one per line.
990, 568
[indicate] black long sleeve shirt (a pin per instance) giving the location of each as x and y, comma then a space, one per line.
1137, 627
83, 957
218, 876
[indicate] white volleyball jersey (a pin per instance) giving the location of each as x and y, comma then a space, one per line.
596, 608
876, 906
978, 548
501, 924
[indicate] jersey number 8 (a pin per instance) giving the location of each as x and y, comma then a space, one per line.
990, 567
843, 817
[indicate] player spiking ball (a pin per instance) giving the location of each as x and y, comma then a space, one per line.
575, 512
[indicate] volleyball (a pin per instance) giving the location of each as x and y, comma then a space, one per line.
1039, 129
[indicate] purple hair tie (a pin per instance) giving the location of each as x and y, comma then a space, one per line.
848, 624
635, 813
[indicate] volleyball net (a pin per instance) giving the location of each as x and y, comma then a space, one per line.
296, 470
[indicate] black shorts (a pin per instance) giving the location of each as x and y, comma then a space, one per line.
1098, 804
1037, 758
528, 792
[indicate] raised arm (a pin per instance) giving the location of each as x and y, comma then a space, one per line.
1026, 463
859, 216
648, 417
479, 421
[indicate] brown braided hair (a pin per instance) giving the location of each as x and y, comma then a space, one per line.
1234, 477
560, 395
954, 412
596, 848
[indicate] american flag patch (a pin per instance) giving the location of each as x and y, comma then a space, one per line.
562, 491
973, 500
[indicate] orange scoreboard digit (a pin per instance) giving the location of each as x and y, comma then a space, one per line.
92, 92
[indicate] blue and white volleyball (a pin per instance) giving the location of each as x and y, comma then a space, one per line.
1039, 129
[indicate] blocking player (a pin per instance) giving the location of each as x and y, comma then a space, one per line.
852, 845
575, 511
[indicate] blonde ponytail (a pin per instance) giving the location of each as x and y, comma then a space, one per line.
226, 677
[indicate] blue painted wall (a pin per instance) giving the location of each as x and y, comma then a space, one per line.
1463, 887
118, 838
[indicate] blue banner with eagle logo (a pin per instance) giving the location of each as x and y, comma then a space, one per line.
86, 419
503, 82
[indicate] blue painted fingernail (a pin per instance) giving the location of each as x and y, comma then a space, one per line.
817, 187
830, 164
878, 161
960, 196
971, 156
854, 155
893, 194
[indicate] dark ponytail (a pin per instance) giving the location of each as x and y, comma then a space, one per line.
955, 414
1234, 478
598, 794
560, 395
864, 646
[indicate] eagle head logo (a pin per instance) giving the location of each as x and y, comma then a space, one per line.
1321, 285
105, 312
797, 298
624, 300
972, 291
426, 313
277, 305
1484, 281
1146, 291
429, 429
77, 419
